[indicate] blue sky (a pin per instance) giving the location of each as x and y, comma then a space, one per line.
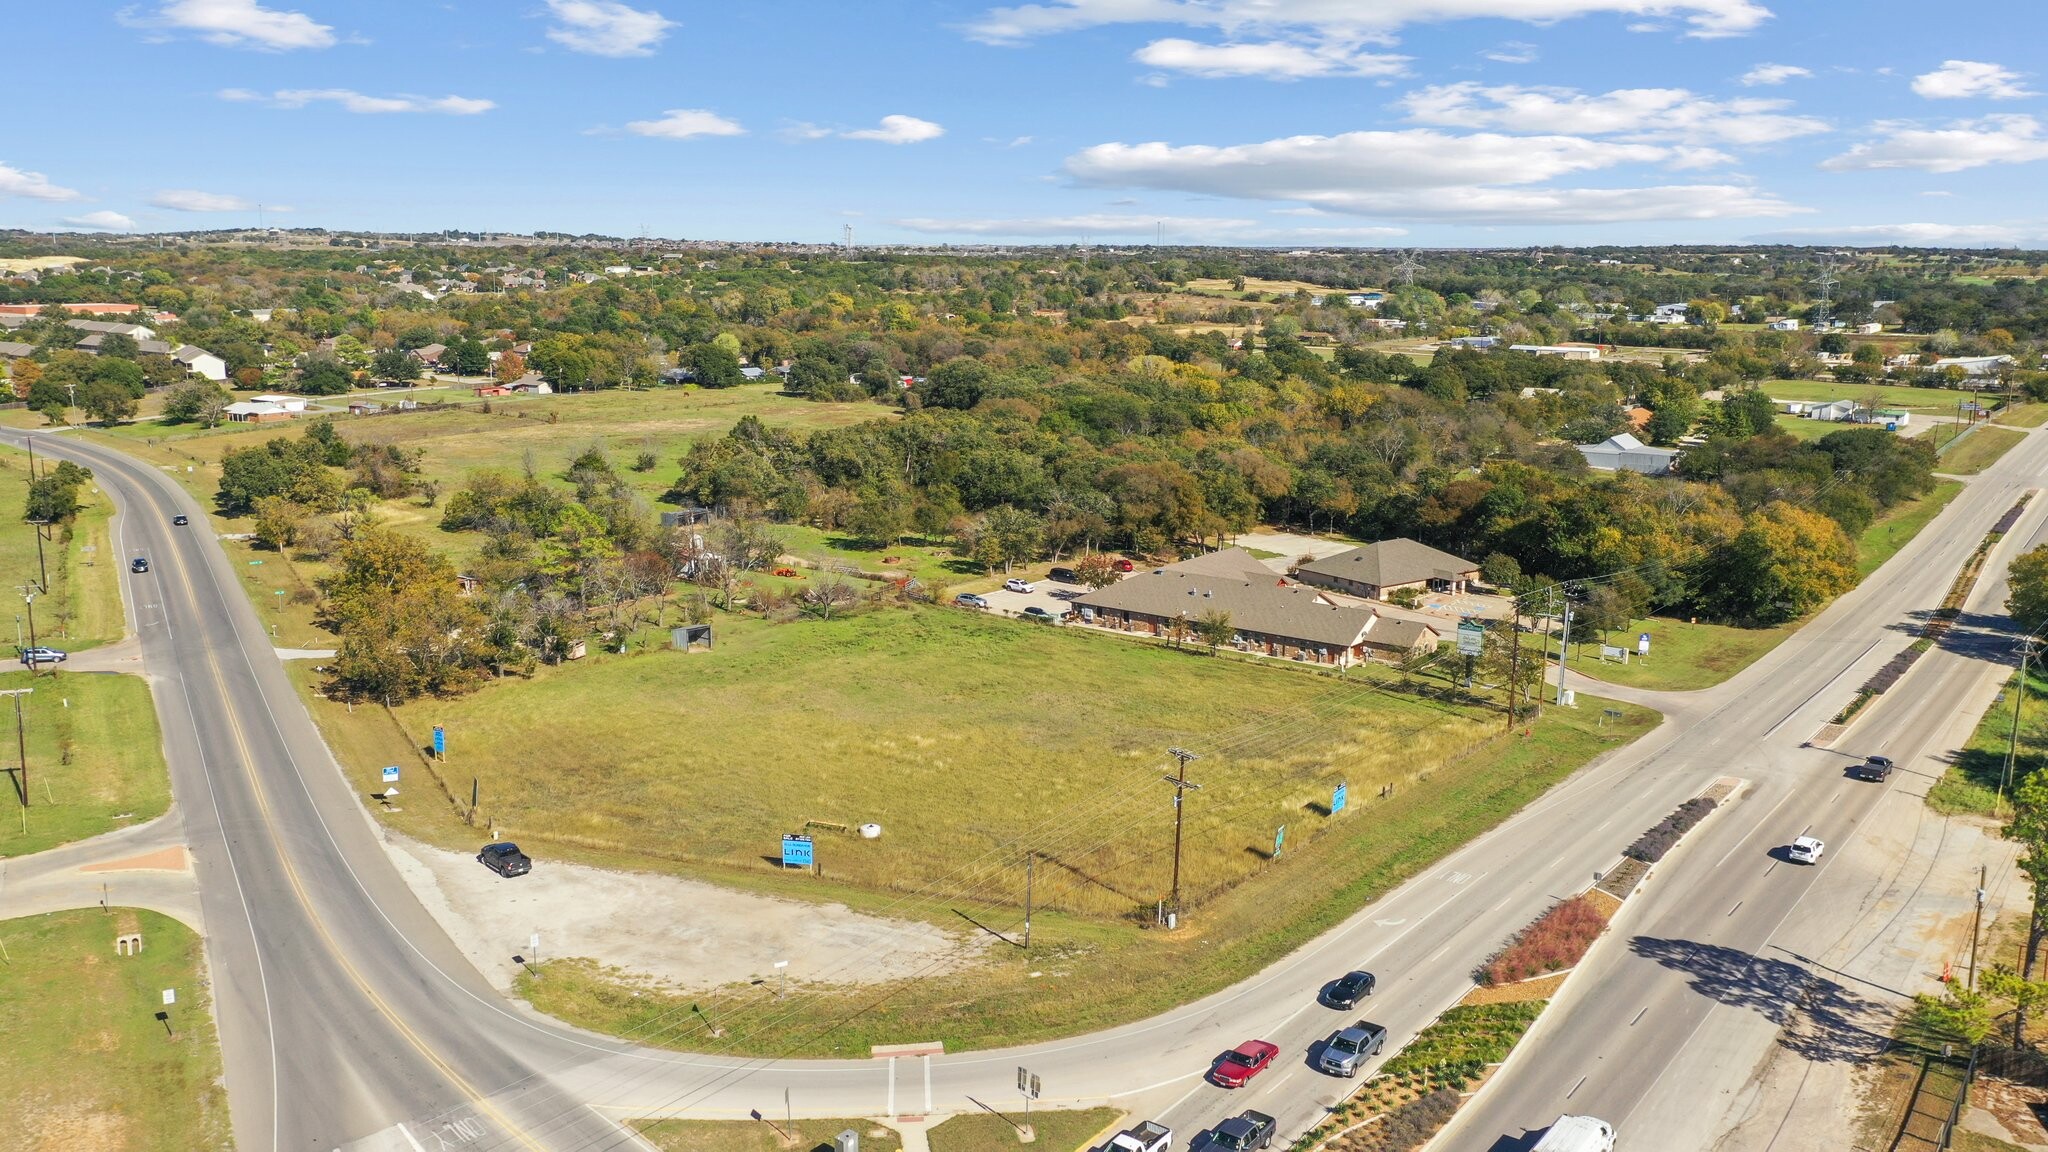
1333, 122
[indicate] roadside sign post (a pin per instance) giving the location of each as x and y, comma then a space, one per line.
1471, 645
440, 744
1279, 840
1027, 1086
797, 852
1643, 644
170, 998
1340, 797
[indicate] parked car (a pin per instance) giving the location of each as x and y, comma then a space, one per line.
1042, 615
1577, 1134
43, 656
1347, 990
1015, 585
1243, 1062
1347, 1051
1123, 565
181, 519
970, 600
505, 859
1873, 768
1064, 576
139, 564
1245, 1132
1150, 1136
1806, 850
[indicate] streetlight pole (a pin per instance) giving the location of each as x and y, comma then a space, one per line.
1180, 787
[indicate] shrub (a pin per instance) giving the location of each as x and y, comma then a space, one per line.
1557, 940
1651, 846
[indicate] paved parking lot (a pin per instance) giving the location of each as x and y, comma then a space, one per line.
1050, 595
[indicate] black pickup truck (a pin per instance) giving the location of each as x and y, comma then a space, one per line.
1244, 1132
1873, 768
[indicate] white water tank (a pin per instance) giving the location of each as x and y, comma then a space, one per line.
871, 831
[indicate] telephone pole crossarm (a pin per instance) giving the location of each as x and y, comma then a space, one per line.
1181, 785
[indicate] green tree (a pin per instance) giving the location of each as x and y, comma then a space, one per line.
53, 497
106, 401
395, 365
119, 346
1019, 534
195, 401
1784, 563
279, 521
1215, 629
467, 357
2026, 598
715, 365
880, 515
323, 376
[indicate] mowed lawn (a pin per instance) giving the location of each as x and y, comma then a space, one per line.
86, 1063
954, 731
95, 760
1936, 400
82, 608
1979, 450
1053, 1131
762, 1135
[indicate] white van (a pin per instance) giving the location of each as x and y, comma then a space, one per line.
1577, 1134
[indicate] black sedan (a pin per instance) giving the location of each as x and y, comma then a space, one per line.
181, 520
505, 859
1347, 990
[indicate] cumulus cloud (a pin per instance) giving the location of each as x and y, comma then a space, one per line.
101, 221
1200, 228
607, 28
1512, 52
1630, 113
32, 185
188, 200
1962, 145
685, 123
1963, 79
898, 130
1273, 60
237, 24
350, 100
1768, 74
1913, 235
1419, 174
1346, 20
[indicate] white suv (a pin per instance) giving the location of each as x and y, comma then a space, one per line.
1806, 850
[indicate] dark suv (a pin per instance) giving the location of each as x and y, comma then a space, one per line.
1064, 576
1873, 768
505, 859
1245, 1132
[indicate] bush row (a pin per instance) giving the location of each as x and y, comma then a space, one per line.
1651, 846
1557, 940
1405, 1128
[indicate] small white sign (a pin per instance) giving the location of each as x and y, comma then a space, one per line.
170, 996
533, 943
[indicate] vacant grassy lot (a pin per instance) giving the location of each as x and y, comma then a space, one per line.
1056, 1131
1801, 428
755, 1136
1886, 395
1973, 784
2025, 414
86, 1063
1979, 450
1212, 286
82, 609
1683, 655
95, 758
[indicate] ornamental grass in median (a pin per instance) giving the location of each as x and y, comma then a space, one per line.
1556, 941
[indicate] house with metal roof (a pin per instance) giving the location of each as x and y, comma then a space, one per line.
1625, 453
1378, 570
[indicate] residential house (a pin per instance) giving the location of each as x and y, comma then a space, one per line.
364, 408
1625, 453
1869, 329
430, 355
531, 385
753, 373
1784, 324
1481, 342
15, 350
135, 331
1385, 324
1821, 409
1365, 299
1567, 351
200, 362
1377, 570
253, 412
288, 403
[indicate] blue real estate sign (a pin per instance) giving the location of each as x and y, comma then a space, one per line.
440, 743
391, 774
796, 851
1338, 798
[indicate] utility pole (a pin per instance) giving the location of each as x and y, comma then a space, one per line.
1180, 788
2012, 748
1976, 924
1514, 659
20, 743
28, 596
42, 564
1564, 647
1030, 858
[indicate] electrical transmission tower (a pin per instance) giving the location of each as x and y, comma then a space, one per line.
846, 235
1407, 268
1826, 282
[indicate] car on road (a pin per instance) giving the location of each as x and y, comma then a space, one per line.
1042, 615
1245, 1132
43, 656
1240, 1064
1577, 1134
1806, 850
505, 859
1015, 585
139, 564
970, 600
1347, 1051
1063, 576
1877, 768
1347, 990
1150, 1136
181, 519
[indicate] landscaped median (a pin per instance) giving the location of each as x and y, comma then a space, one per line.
1417, 1091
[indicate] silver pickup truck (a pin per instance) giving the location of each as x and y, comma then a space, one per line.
1347, 1051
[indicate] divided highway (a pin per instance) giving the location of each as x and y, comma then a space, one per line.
349, 1020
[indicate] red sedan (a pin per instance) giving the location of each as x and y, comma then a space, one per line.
1243, 1062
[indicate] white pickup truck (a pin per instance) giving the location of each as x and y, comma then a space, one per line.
1146, 1137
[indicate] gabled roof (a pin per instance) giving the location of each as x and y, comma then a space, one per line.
15, 349
1391, 562
1393, 633
1234, 563
1269, 606
187, 353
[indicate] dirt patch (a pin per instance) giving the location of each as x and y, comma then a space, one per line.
171, 859
1541, 988
1618, 882
684, 933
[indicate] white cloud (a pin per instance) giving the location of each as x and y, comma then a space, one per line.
1962, 79
1178, 228
898, 130
805, 130
101, 221
1963, 145
353, 101
32, 185
1418, 174
1346, 21
1767, 74
1274, 60
1512, 52
1648, 114
1914, 235
684, 123
187, 200
607, 28
237, 24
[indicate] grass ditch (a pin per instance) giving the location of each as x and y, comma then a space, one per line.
82, 608
1979, 450
95, 755
1073, 1131
759, 1136
86, 1063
